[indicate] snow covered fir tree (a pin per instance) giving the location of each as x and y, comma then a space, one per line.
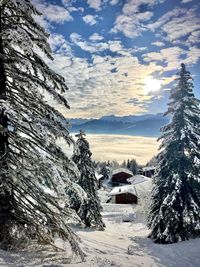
175, 208
29, 127
91, 212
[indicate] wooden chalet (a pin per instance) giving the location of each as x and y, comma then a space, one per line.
129, 194
121, 176
124, 195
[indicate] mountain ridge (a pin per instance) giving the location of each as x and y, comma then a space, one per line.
144, 125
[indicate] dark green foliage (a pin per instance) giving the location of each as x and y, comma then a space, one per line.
29, 127
175, 209
91, 212
105, 171
132, 165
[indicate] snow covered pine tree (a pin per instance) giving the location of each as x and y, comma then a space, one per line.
91, 213
28, 130
175, 209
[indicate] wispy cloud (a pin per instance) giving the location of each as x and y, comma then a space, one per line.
158, 43
179, 27
186, 1
177, 24
105, 84
90, 19
88, 46
193, 55
170, 57
53, 12
96, 37
131, 22
166, 17
194, 38
95, 4
114, 2
104, 73
59, 45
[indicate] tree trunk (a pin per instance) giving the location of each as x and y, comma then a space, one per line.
5, 187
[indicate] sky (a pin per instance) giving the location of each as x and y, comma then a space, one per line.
121, 56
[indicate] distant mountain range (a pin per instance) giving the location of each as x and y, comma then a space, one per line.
142, 125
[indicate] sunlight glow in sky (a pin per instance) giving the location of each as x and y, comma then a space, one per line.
151, 84
108, 50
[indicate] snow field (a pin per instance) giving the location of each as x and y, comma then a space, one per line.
110, 247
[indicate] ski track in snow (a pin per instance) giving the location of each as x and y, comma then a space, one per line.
109, 248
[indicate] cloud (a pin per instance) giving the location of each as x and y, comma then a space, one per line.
90, 19
166, 17
186, 1
193, 55
109, 78
59, 44
179, 27
117, 47
51, 13
176, 25
158, 43
132, 22
87, 46
114, 2
96, 37
104, 85
69, 5
95, 4
170, 57
97, 47
57, 14
193, 38
130, 28
114, 46
66, 2
125, 147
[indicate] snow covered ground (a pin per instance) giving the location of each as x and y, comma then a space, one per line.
110, 247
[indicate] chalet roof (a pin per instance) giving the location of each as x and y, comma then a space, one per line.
123, 189
119, 170
138, 179
137, 189
148, 168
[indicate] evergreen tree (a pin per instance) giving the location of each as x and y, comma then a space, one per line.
91, 213
105, 171
133, 166
114, 164
29, 127
128, 164
123, 164
175, 208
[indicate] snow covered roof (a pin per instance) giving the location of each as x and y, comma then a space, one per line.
134, 189
138, 179
98, 176
148, 168
121, 170
123, 189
